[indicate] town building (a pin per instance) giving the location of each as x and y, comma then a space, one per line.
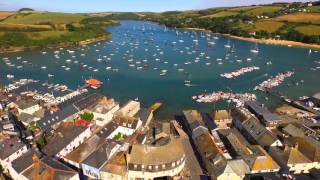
130, 109
235, 169
95, 161
103, 112
11, 149
26, 106
30, 167
65, 139
263, 114
165, 158
257, 159
291, 159
253, 130
194, 123
222, 119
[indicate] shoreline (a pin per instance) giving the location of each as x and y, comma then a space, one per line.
274, 42
287, 43
55, 46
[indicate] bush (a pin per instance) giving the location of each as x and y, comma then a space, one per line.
87, 116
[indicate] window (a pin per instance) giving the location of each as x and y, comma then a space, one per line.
135, 166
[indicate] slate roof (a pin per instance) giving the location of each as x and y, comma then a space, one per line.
194, 119
65, 133
52, 119
24, 104
50, 168
88, 101
258, 132
101, 155
85, 149
23, 162
10, 146
107, 130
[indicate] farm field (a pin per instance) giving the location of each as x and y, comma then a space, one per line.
262, 10
268, 26
311, 30
4, 15
221, 14
313, 18
40, 18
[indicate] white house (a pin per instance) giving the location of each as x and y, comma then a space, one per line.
11, 149
65, 139
103, 114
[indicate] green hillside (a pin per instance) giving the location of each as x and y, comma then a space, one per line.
30, 28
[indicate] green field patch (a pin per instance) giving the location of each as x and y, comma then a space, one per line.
243, 9
221, 14
263, 10
39, 18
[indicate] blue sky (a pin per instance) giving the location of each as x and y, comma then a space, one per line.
124, 5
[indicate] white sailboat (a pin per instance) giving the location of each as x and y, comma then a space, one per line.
255, 50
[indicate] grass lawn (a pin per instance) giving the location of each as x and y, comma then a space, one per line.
269, 26
221, 14
37, 18
263, 10
313, 18
309, 30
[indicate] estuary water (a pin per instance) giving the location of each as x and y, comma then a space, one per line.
153, 63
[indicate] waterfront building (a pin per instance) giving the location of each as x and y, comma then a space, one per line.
253, 130
11, 149
164, 158
263, 114
130, 109
257, 159
26, 106
222, 119
195, 124
103, 112
65, 139
53, 119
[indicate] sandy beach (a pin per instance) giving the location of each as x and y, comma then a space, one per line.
276, 42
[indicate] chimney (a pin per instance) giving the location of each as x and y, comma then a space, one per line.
296, 145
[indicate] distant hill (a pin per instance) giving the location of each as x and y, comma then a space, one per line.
289, 21
28, 28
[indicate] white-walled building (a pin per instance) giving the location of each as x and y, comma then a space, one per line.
130, 109
153, 161
11, 149
28, 107
66, 138
104, 111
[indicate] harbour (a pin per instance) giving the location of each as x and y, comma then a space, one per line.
172, 65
